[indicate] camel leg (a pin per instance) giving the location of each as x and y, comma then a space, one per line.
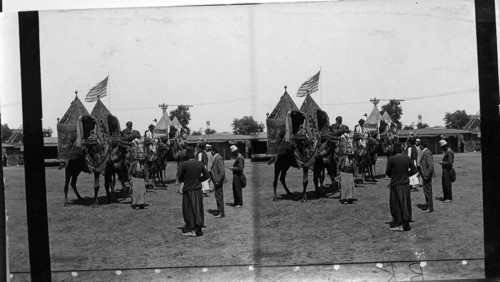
282, 180
108, 181
305, 180
74, 177
317, 180
96, 189
275, 182
66, 184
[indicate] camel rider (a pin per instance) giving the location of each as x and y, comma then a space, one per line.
360, 127
338, 128
150, 132
128, 134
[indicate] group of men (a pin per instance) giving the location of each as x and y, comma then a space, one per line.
402, 166
195, 173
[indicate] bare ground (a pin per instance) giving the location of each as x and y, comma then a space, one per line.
267, 233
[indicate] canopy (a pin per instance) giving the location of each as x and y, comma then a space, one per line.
284, 105
67, 130
75, 110
106, 120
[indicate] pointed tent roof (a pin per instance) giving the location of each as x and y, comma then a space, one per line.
373, 119
309, 105
164, 122
386, 117
75, 110
284, 105
176, 123
100, 111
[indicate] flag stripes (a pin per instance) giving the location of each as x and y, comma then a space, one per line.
98, 91
310, 86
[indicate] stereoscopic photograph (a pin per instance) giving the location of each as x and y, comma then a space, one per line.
316, 141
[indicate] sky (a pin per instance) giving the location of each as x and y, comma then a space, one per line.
234, 61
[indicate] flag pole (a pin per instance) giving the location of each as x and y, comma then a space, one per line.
109, 94
321, 87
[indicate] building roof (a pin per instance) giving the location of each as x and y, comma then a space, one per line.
50, 141
432, 132
75, 110
223, 137
284, 105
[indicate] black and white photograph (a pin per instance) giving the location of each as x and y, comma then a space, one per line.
291, 141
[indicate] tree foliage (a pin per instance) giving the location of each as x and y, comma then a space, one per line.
183, 115
198, 132
6, 132
457, 120
409, 127
47, 132
394, 110
421, 125
209, 131
246, 126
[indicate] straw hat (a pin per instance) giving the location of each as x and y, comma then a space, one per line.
233, 148
442, 143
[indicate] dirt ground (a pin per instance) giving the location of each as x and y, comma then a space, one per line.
263, 233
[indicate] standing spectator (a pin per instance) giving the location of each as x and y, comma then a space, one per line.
419, 157
218, 174
137, 175
4, 160
210, 159
447, 165
238, 166
202, 156
192, 173
462, 146
426, 169
181, 158
399, 167
346, 168
411, 151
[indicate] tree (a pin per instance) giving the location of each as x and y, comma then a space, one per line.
6, 132
394, 110
409, 127
183, 115
246, 126
457, 120
421, 125
47, 132
209, 131
196, 132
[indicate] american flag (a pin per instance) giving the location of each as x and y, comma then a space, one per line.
98, 91
310, 86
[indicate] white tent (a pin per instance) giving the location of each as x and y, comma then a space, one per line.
373, 121
163, 126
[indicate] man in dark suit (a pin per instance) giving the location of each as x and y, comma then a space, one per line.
218, 173
191, 174
427, 173
399, 168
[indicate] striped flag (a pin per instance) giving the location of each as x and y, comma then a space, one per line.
98, 91
310, 86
